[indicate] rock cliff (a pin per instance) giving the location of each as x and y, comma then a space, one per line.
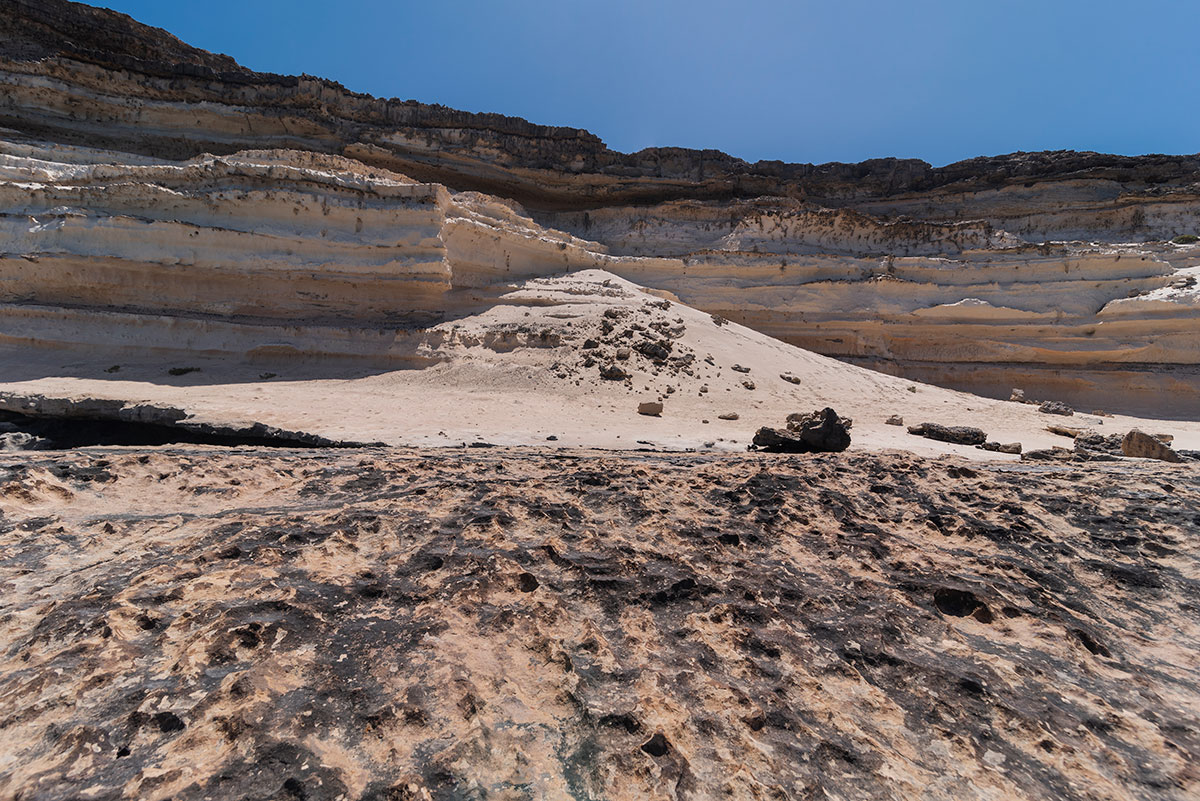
127, 150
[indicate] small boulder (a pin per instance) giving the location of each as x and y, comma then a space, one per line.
589, 344
651, 408
959, 435
1017, 396
657, 351
728, 416
816, 432
1056, 407
610, 372
1065, 431
895, 420
748, 384
1054, 454
624, 353
1092, 441
1011, 447
737, 368
799, 420
1140, 445
788, 377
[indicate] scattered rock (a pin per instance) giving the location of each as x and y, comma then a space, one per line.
815, 432
623, 354
1091, 441
788, 377
1054, 454
552, 438
1011, 447
611, 372
1140, 445
959, 435
748, 384
737, 368
589, 344
654, 350
1056, 407
1065, 431
894, 420
1017, 396
651, 408
728, 416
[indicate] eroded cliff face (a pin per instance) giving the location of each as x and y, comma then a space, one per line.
1050, 271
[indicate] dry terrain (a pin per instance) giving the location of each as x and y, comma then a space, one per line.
386, 624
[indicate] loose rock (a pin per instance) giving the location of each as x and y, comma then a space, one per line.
1140, 445
611, 372
895, 420
651, 408
960, 435
1056, 407
816, 432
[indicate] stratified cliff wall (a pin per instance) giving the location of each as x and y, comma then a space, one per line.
1051, 271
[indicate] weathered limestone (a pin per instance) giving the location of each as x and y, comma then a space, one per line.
1051, 271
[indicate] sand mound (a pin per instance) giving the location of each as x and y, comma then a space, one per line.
570, 357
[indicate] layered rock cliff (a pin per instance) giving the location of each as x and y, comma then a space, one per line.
1051, 271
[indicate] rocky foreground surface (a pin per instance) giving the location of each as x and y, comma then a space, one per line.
129, 160
196, 623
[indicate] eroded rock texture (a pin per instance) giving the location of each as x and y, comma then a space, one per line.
197, 623
1054, 272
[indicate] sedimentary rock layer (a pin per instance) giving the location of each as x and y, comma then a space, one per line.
1051, 271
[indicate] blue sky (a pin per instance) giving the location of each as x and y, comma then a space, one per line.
804, 81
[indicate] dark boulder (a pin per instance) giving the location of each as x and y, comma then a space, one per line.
816, 432
959, 435
1056, 407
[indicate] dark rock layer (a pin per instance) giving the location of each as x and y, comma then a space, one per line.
545, 167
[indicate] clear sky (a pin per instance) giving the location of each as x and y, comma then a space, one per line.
804, 81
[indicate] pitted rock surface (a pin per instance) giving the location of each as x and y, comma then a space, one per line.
194, 622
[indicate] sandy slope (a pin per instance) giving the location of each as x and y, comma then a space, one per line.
518, 373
